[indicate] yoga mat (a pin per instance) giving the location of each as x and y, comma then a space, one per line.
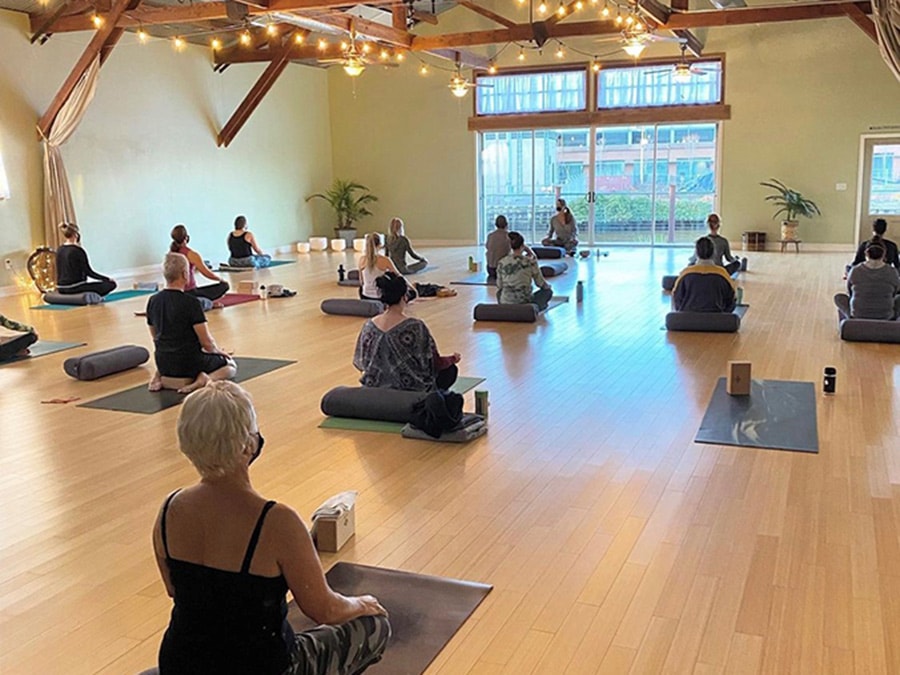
140, 400
780, 415
740, 310
225, 267
479, 279
461, 386
230, 299
112, 297
42, 348
57, 308
556, 301
425, 611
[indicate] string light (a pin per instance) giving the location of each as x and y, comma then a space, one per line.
605, 13
579, 5
271, 29
400, 56
366, 47
142, 36
384, 55
344, 46
521, 55
298, 38
179, 43
245, 38
492, 68
423, 70
216, 44
560, 52
542, 8
97, 20
562, 9
323, 44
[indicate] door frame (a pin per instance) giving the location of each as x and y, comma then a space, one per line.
862, 178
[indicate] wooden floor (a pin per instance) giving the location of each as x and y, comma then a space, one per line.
614, 543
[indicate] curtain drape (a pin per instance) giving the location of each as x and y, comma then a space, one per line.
886, 15
58, 207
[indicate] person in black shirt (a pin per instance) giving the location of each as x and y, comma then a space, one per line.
243, 249
704, 286
891, 257
186, 354
73, 268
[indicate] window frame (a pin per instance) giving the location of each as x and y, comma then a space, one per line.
540, 70
658, 61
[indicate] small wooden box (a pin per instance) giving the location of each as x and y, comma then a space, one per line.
248, 287
333, 533
738, 383
754, 241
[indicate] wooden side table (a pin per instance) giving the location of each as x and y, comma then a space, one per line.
796, 242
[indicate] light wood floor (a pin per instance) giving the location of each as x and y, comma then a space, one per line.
615, 544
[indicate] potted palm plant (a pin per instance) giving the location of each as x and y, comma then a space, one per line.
792, 204
349, 200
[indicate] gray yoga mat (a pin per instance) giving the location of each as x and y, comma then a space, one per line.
140, 400
779, 415
42, 348
425, 611
479, 279
556, 301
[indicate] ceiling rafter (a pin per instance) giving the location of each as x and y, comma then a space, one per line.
865, 23
483, 11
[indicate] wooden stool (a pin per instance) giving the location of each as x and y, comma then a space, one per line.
795, 242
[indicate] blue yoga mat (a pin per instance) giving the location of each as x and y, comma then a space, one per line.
42, 348
112, 297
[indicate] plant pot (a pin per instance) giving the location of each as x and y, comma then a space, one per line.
348, 234
789, 230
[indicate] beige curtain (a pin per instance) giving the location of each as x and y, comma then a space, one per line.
58, 207
886, 15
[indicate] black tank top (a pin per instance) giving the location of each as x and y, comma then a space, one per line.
225, 623
239, 246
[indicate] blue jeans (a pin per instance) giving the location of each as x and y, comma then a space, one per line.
257, 261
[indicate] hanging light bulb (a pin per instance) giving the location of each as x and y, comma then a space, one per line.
322, 44
245, 38
542, 8
423, 70
629, 20
366, 47
344, 45
521, 55
560, 52
216, 44
605, 12
400, 56
298, 38
354, 66
142, 36
561, 10
619, 20
384, 55
492, 68
179, 43
97, 20
639, 26
579, 5
595, 65
271, 29
459, 86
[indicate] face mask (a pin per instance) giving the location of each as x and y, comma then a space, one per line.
559, 208
259, 447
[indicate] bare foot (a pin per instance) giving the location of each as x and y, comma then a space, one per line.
155, 383
201, 381
218, 305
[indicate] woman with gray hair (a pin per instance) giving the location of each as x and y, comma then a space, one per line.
228, 557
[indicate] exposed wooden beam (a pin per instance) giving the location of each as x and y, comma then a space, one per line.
398, 17
693, 44
680, 5
370, 29
464, 57
556, 17
105, 37
865, 23
48, 19
483, 11
262, 86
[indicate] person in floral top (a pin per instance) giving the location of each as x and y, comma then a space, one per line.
517, 272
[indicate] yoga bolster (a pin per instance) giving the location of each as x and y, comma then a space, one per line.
668, 282
703, 322
151, 671
870, 330
371, 403
57, 298
100, 364
352, 279
554, 268
549, 252
524, 313
352, 307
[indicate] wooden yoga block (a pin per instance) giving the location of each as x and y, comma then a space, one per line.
333, 533
738, 383
248, 287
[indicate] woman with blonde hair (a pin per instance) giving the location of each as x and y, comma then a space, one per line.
398, 247
73, 268
228, 556
180, 239
373, 265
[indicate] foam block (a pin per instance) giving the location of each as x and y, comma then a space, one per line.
99, 364
554, 268
668, 281
870, 330
56, 298
352, 307
525, 313
549, 252
371, 403
703, 322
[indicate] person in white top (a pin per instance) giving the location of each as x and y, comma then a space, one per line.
372, 265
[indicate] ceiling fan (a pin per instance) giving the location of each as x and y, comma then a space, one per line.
459, 86
682, 71
634, 39
354, 60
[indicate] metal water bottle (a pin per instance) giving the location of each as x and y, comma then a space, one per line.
263, 293
579, 291
829, 381
481, 403
341, 272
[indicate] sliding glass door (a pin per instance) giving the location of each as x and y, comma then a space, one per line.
650, 185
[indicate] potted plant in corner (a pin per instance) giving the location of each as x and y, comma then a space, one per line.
792, 204
348, 206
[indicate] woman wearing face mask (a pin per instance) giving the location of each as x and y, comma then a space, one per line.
228, 557
563, 229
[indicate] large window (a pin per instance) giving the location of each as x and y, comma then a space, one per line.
659, 85
517, 93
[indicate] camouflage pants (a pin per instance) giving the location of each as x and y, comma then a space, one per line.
346, 649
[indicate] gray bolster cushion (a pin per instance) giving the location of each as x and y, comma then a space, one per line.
350, 279
668, 282
524, 313
100, 364
371, 403
703, 322
554, 268
870, 330
549, 252
56, 298
352, 307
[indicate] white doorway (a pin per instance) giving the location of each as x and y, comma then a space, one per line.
879, 184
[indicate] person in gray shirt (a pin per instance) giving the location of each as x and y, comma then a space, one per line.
722, 251
497, 246
873, 286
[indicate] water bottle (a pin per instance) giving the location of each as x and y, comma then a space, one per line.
739, 296
481, 403
579, 291
829, 381
471, 264
263, 293
341, 272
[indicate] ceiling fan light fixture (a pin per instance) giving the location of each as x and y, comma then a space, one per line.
459, 86
634, 48
681, 73
354, 67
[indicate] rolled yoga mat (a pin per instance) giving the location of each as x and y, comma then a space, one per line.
425, 611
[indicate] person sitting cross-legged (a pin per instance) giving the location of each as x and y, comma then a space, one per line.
398, 247
15, 339
73, 270
704, 286
891, 257
516, 272
874, 287
497, 245
243, 249
228, 557
212, 292
186, 353
721, 250
397, 351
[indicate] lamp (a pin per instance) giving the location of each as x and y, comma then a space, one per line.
634, 47
459, 86
354, 66
681, 73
